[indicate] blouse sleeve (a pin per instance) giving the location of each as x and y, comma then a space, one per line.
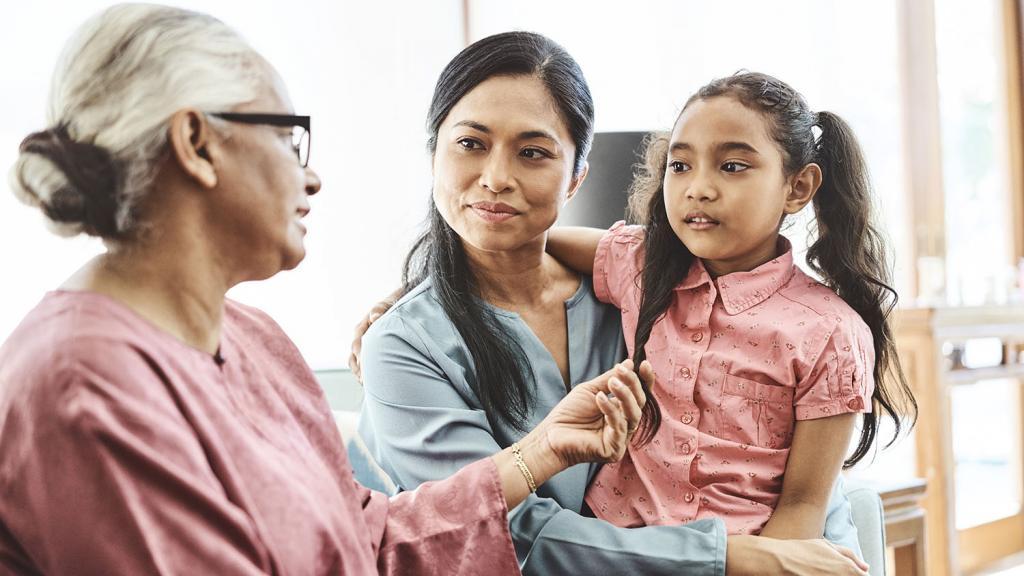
617, 265
842, 379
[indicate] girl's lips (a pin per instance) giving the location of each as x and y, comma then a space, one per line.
698, 224
700, 221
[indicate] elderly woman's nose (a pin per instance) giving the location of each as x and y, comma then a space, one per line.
496, 174
312, 182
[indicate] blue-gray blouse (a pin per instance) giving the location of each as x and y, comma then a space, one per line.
422, 421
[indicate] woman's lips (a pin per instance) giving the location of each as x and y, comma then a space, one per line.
494, 211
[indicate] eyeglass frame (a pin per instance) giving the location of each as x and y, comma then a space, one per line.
280, 120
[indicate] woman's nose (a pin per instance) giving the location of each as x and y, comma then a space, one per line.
496, 175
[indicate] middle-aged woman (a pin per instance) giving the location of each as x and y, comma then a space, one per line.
150, 426
493, 332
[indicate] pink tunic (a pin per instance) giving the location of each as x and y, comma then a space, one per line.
124, 451
738, 360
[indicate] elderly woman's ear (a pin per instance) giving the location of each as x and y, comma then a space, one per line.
192, 148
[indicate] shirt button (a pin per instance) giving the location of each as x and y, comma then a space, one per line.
697, 336
688, 497
687, 419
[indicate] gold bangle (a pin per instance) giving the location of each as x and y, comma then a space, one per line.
523, 468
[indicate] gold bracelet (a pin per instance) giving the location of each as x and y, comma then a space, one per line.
523, 468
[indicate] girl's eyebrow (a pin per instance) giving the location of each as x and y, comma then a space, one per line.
719, 147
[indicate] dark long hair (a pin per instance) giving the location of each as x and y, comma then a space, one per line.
504, 384
849, 252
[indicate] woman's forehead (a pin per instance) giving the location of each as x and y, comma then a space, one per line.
511, 104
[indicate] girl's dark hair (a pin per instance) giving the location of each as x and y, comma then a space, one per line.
504, 384
849, 252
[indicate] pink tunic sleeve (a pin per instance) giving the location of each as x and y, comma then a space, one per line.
454, 526
124, 452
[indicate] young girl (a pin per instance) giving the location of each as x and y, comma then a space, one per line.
760, 368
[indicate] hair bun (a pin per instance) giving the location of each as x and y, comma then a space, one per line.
74, 183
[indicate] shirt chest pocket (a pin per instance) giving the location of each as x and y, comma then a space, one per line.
756, 414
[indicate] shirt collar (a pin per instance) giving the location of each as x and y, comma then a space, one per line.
741, 291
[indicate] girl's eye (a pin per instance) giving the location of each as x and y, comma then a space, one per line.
678, 167
534, 153
734, 167
468, 144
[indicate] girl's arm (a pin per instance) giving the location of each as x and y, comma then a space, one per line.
815, 459
575, 246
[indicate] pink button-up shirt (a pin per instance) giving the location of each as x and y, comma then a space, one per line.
738, 360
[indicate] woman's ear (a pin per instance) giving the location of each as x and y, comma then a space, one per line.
577, 181
190, 140
803, 186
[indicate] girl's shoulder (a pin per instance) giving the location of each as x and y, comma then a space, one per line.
823, 302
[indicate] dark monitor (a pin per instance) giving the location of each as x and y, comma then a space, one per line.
601, 200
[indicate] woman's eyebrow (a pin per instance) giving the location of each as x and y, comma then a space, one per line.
525, 135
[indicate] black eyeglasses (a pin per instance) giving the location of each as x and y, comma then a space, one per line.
298, 124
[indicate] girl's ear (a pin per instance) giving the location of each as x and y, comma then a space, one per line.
803, 186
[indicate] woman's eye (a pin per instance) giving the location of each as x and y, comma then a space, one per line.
677, 167
734, 167
468, 143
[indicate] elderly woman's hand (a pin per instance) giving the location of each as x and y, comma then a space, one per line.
596, 420
376, 312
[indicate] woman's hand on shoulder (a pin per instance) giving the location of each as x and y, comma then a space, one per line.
759, 555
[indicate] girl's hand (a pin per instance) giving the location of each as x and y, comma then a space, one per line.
596, 420
760, 555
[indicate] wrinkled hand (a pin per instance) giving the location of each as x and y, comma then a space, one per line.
376, 312
588, 425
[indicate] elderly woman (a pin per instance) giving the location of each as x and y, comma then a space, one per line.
493, 332
147, 424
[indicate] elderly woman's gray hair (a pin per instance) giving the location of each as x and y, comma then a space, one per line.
120, 78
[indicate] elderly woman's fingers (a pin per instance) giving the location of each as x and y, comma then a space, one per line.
615, 427
630, 407
624, 371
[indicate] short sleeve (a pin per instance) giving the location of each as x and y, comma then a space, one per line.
617, 265
842, 379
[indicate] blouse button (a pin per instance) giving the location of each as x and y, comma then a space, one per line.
688, 497
697, 336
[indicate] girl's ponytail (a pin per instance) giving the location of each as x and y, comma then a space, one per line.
849, 255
